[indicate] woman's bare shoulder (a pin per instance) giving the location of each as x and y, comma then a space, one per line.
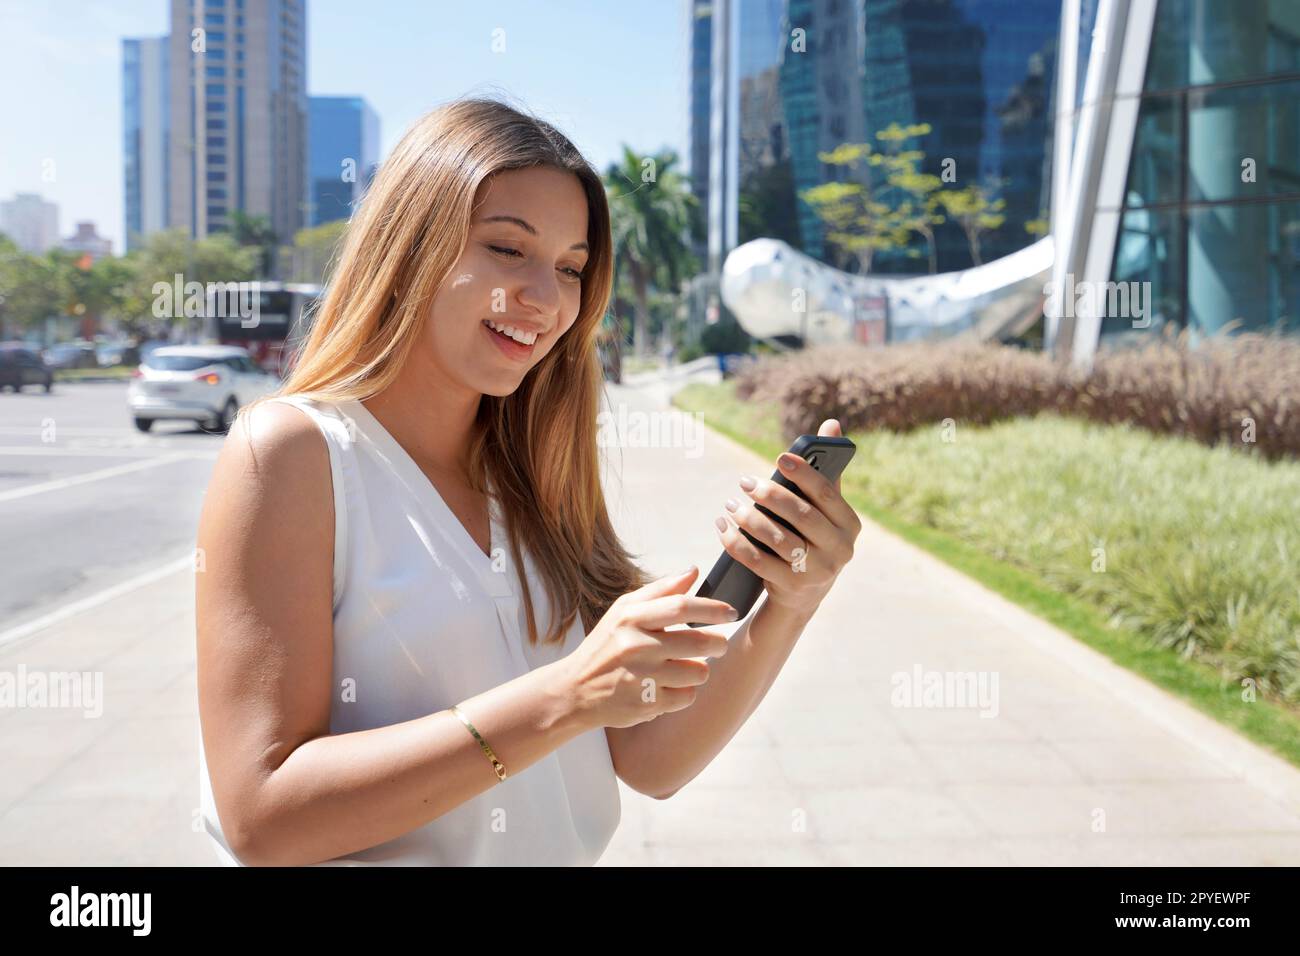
271, 482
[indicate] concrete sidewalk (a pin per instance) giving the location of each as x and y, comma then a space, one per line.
1084, 763
1081, 763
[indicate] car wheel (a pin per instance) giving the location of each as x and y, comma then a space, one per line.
144, 424
228, 414
220, 424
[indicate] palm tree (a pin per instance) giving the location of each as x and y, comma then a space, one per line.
650, 209
256, 231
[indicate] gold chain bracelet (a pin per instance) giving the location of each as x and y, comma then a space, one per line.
497, 765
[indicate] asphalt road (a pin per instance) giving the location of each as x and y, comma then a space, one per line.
87, 501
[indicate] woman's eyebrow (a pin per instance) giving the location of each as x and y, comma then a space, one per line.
527, 227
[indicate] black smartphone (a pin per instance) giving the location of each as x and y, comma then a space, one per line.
731, 581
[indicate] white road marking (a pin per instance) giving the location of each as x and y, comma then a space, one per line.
65, 430
60, 483
94, 600
102, 451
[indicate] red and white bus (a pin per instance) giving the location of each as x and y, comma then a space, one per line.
283, 311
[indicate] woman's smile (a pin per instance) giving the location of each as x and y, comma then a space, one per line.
509, 347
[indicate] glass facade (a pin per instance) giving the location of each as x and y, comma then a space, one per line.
344, 137
817, 74
701, 81
145, 136
1211, 210
980, 73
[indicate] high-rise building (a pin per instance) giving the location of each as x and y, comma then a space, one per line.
794, 79
701, 27
1173, 180
145, 131
238, 96
31, 222
1179, 178
343, 156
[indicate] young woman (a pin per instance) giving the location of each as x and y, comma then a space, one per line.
419, 639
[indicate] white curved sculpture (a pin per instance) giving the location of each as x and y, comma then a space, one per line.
773, 290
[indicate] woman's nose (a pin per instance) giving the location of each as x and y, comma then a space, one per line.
541, 290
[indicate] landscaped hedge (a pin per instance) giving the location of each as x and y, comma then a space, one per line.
1242, 390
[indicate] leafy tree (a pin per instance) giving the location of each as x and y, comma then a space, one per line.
650, 207
32, 288
976, 211
166, 255
860, 220
256, 231
1038, 227
920, 211
313, 251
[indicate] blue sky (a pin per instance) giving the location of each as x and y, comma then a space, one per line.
605, 72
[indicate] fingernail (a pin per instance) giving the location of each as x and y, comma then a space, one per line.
748, 483
731, 504
682, 574
786, 461
720, 523
733, 614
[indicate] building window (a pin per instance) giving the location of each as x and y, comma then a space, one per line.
1212, 199
216, 106
216, 141
215, 176
216, 89
216, 194
216, 159
216, 124
216, 72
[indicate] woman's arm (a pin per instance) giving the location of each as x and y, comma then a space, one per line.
667, 753
661, 756
288, 792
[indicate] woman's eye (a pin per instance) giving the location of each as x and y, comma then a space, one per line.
512, 253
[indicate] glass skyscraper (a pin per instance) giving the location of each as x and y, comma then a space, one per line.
343, 156
145, 131
1185, 169
806, 76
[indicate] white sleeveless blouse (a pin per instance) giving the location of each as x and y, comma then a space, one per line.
423, 619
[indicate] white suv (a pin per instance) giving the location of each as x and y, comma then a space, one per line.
207, 384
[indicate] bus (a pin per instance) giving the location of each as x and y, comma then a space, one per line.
269, 319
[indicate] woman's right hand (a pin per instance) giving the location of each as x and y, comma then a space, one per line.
629, 669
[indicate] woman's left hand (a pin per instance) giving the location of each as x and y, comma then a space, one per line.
811, 559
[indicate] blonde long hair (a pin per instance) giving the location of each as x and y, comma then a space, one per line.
538, 443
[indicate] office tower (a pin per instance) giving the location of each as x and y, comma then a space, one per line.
700, 13
794, 79
1180, 172
344, 153
238, 95
31, 222
145, 131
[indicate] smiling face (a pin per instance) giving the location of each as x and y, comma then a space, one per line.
521, 270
